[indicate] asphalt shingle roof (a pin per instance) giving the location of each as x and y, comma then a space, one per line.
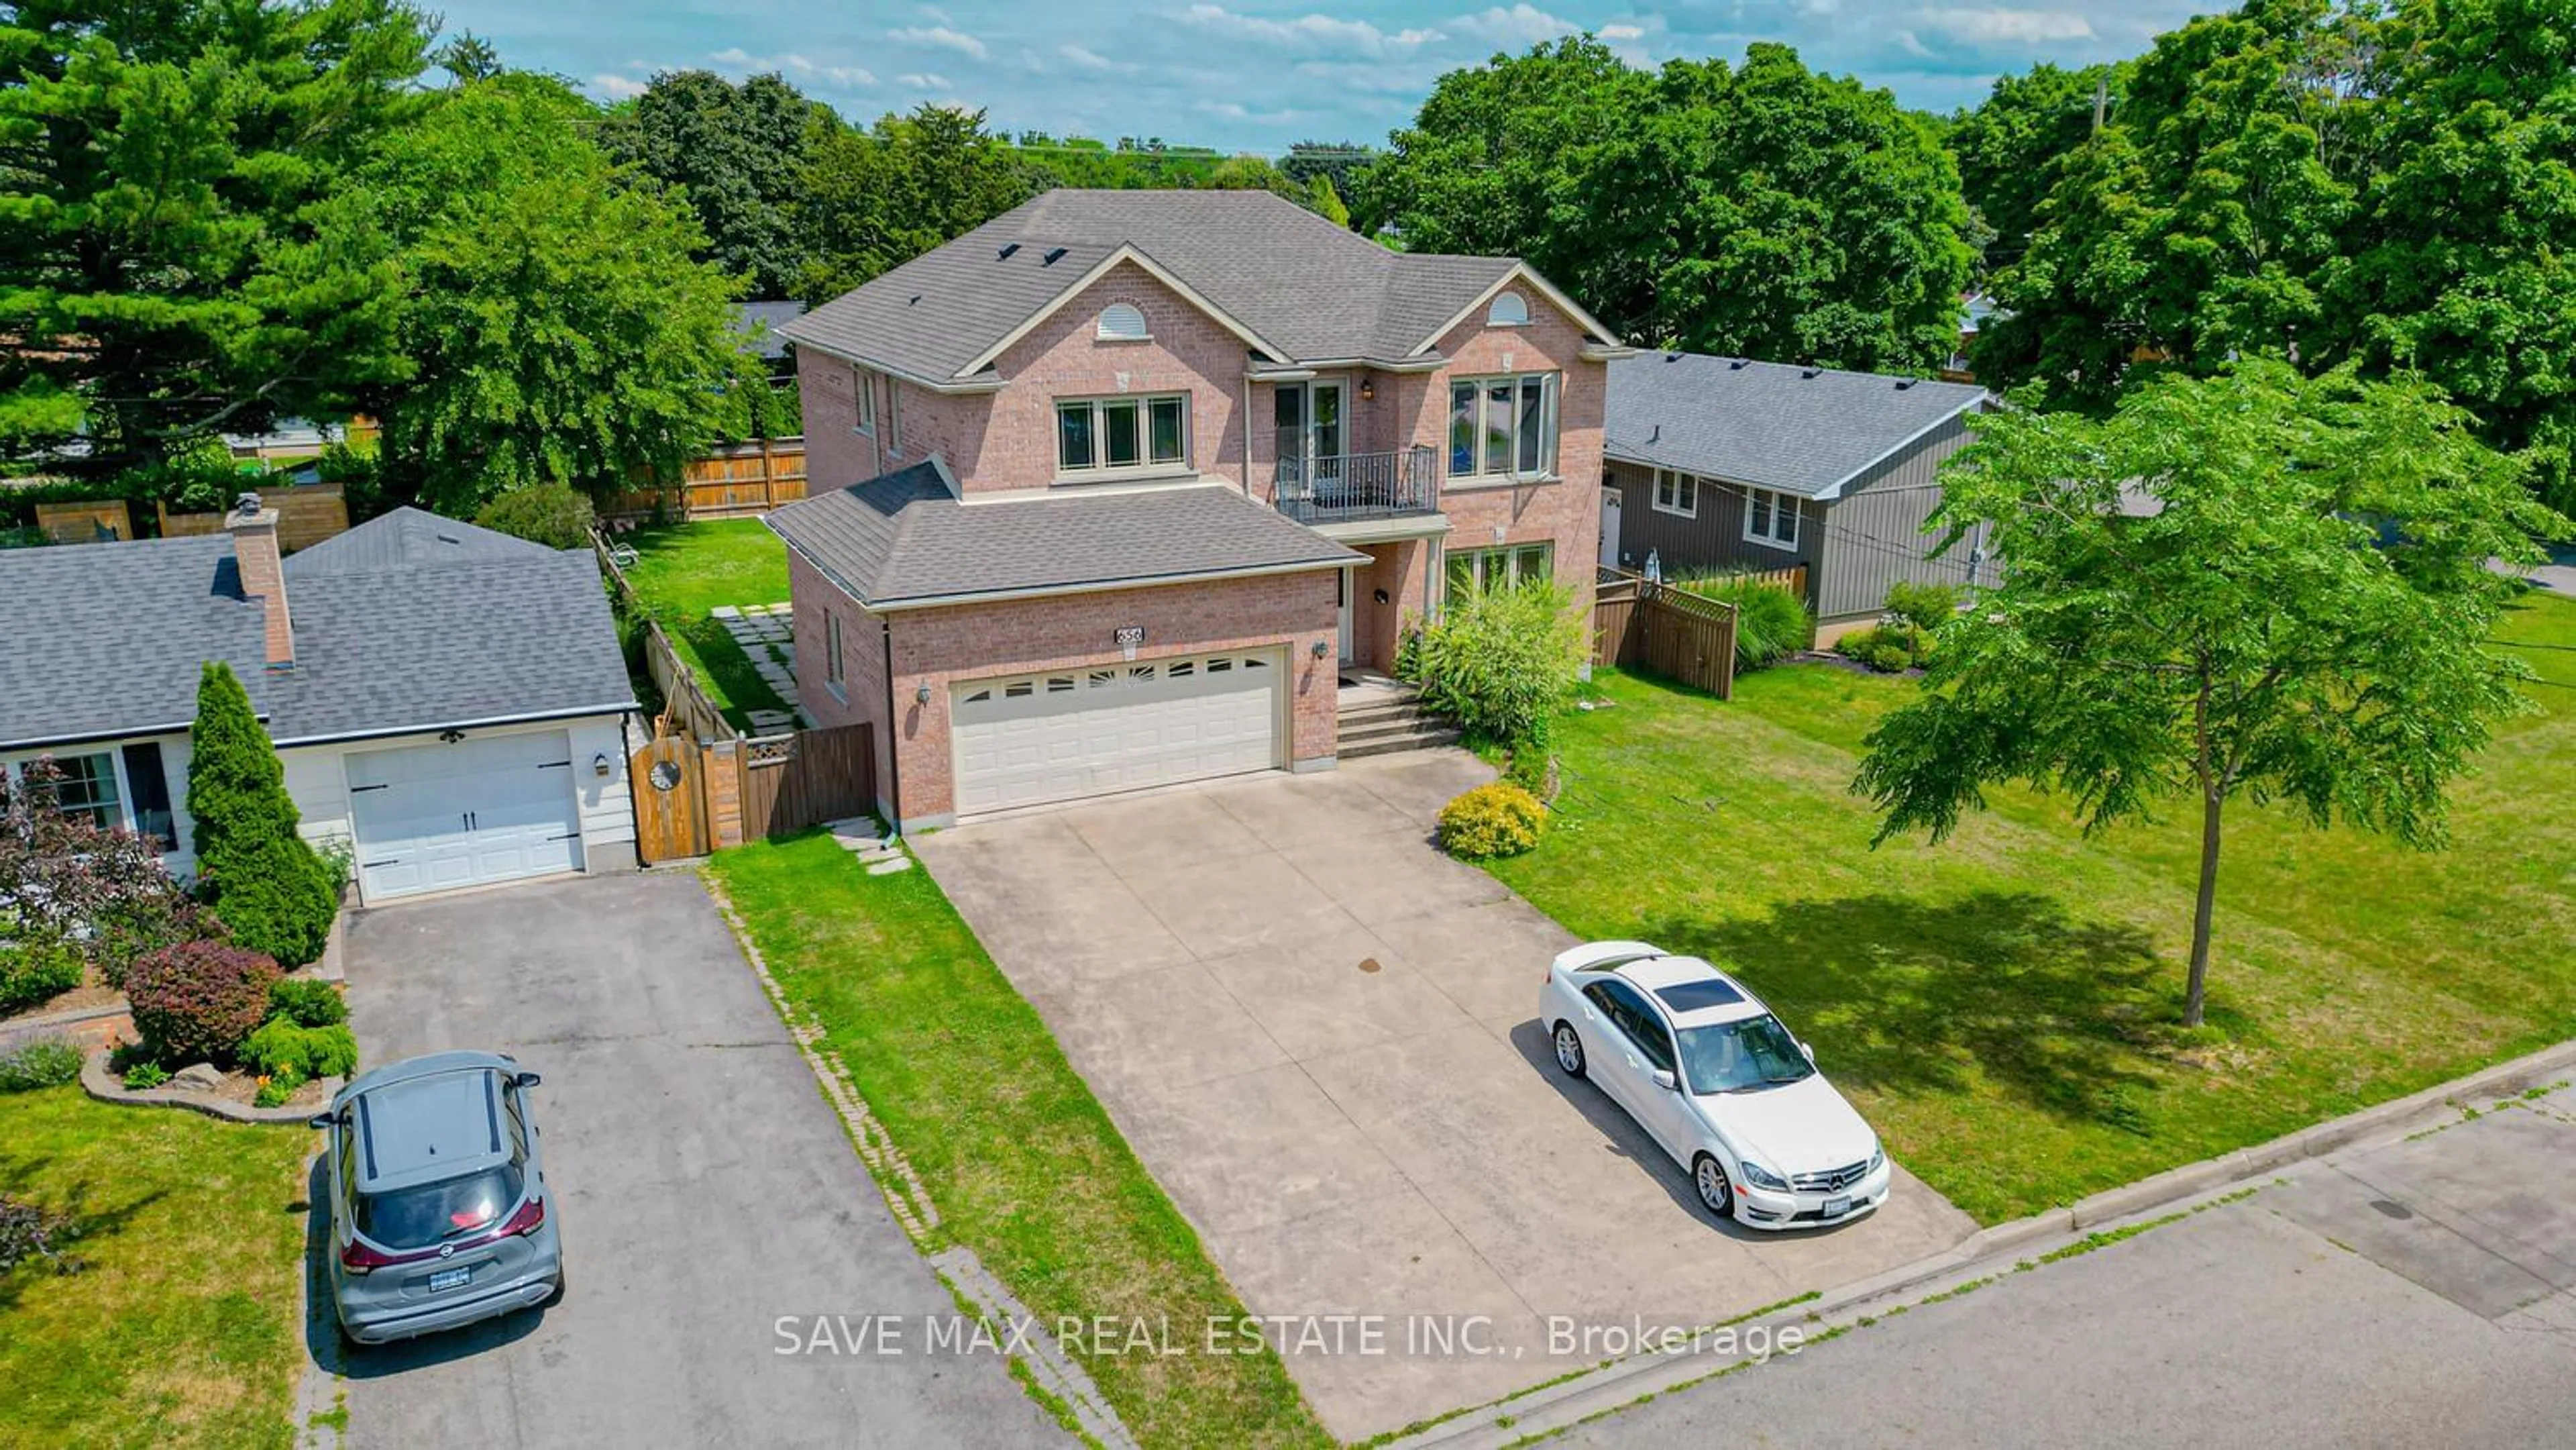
1771, 425
407, 622
905, 538
1312, 290
759, 323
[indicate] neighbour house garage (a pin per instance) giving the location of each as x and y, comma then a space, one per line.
1064, 734
438, 817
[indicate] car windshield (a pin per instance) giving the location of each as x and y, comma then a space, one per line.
412, 1218
1734, 1057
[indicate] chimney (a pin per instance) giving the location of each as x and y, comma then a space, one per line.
263, 574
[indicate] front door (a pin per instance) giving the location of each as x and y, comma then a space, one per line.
1609, 528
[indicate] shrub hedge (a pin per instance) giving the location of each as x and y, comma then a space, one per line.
199, 1000
281, 1048
31, 971
1500, 819
308, 1002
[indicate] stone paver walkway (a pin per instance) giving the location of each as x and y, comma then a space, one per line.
767, 634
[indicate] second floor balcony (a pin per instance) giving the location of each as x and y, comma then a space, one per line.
1342, 487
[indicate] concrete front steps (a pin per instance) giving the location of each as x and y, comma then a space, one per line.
1385, 717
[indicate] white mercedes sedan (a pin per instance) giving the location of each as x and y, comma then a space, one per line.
1711, 1075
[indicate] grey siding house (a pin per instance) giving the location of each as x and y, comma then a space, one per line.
1713, 463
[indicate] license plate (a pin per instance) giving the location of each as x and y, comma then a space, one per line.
1834, 1208
448, 1279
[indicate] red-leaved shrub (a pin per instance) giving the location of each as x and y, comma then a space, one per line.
199, 1000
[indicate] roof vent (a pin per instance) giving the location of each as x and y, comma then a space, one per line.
1657, 435
1738, 364
1903, 383
1809, 372
915, 300
1672, 357
1053, 256
1007, 249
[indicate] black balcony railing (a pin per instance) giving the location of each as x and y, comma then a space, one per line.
1345, 486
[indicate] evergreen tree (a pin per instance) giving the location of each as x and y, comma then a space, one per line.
264, 881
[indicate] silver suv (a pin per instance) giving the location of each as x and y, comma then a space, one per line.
439, 1210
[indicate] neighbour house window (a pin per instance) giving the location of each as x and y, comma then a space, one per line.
1509, 310
1512, 564
1120, 322
1770, 518
863, 388
832, 653
893, 415
87, 786
1121, 433
1502, 427
1676, 493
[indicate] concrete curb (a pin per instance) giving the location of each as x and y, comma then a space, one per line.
103, 1085
1995, 1249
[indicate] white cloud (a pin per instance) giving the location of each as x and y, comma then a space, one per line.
616, 88
738, 57
925, 81
1308, 34
1522, 25
852, 77
1997, 26
1093, 61
941, 37
1623, 32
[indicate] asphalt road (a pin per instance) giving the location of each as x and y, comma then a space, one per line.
705, 1191
2417, 1291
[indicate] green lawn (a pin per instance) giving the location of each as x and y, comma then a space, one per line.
1023, 1165
2004, 1006
180, 1327
683, 572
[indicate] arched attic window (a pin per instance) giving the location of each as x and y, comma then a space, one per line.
1121, 322
1510, 309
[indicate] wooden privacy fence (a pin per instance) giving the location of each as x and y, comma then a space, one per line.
307, 513
1792, 579
98, 521
1638, 624
737, 480
692, 797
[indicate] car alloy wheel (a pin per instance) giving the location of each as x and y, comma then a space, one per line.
1714, 1190
1569, 1050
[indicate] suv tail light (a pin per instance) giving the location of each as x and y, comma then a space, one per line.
358, 1258
530, 1218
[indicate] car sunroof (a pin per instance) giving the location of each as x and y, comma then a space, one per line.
1692, 996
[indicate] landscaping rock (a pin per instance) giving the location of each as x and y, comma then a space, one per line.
197, 1077
888, 868
725, 611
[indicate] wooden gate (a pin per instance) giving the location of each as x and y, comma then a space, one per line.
670, 800
1638, 624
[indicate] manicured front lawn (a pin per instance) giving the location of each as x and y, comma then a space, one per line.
180, 1329
2003, 1006
1024, 1166
683, 572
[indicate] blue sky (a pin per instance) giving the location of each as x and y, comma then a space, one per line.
1258, 74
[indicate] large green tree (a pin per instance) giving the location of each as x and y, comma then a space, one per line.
874, 199
1760, 208
2255, 585
555, 320
273, 891
738, 153
2009, 146
161, 272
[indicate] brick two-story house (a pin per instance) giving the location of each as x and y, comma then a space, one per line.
1114, 490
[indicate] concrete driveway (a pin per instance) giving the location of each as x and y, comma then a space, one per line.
705, 1189
1320, 1035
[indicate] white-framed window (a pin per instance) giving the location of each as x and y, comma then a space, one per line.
1502, 427
893, 415
1122, 322
1510, 564
1510, 309
1770, 518
832, 667
863, 392
1095, 435
1676, 493
120, 788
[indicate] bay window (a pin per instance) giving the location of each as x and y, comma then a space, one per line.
1502, 427
1110, 434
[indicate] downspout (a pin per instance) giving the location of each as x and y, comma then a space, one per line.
894, 755
1247, 433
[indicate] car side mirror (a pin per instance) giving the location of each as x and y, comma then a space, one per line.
525, 1080
1809, 1049
1667, 1081
323, 1122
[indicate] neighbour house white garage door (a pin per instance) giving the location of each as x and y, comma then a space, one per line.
1028, 739
487, 808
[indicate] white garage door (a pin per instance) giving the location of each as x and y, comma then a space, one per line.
1049, 737
488, 808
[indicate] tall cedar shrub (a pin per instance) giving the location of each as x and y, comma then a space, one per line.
1770, 622
264, 882
1502, 660
199, 1001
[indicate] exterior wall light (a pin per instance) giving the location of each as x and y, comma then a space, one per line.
921, 694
